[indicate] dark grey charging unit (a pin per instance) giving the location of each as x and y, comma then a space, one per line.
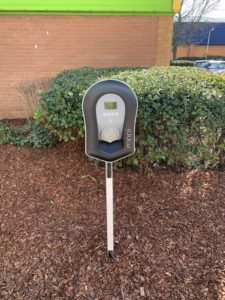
110, 109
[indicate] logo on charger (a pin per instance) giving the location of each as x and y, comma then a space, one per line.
129, 138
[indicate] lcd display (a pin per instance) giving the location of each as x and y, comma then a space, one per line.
110, 105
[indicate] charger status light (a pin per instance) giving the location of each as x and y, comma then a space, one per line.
110, 114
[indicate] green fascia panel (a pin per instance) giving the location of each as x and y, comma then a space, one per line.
87, 7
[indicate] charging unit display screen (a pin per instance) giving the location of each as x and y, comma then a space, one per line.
110, 105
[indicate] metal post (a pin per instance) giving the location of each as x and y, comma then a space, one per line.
207, 49
109, 209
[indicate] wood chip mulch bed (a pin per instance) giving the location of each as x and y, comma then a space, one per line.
169, 230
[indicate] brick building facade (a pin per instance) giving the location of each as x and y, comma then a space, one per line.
34, 46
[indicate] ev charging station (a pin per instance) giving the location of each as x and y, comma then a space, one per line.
110, 109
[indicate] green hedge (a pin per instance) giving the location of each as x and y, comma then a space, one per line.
33, 134
182, 63
210, 57
180, 120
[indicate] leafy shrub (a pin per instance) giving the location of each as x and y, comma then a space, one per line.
5, 132
40, 136
33, 134
180, 120
182, 63
181, 116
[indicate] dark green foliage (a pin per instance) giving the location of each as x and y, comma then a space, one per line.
182, 63
33, 134
41, 136
210, 57
181, 116
180, 119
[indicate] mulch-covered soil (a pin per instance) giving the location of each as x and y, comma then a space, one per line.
169, 230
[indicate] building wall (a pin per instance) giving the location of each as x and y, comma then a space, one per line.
32, 47
200, 50
164, 41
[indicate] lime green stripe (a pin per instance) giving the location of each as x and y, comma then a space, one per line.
87, 13
102, 7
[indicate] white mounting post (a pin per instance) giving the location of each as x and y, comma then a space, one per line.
109, 209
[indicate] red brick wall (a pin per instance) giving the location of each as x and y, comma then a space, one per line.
36, 46
200, 50
164, 43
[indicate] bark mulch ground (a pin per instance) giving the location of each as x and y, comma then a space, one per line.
169, 229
